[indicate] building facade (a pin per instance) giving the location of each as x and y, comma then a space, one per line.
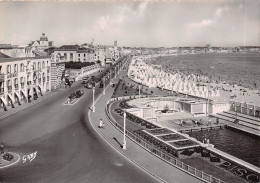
57, 72
75, 53
40, 45
23, 80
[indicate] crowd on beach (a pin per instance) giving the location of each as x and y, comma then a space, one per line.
185, 79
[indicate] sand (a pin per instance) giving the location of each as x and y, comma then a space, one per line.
231, 72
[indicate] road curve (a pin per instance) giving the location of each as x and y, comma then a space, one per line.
68, 149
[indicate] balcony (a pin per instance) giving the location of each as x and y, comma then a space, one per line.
22, 85
9, 88
16, 87
2, 77
12, 75
2, 91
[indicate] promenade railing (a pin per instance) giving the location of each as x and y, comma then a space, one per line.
157, 152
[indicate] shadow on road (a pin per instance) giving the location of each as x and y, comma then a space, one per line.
118, 142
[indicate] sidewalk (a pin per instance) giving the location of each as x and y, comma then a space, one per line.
146, 161
18, 108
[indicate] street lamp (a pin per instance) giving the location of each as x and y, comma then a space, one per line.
110, 75
207, 107
93, 106
115, 72
104, 91
139, 97
124, 141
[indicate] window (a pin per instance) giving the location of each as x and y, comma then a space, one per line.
9, 83
47, 63
43, 64
84, 55
65, 55
16, 83
8, 68
79, 55
21, 67
34, 66
71, 56
39, 65
15, 67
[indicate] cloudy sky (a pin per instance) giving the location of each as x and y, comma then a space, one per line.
175, 23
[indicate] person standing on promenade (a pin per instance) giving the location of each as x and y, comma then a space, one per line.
100, 123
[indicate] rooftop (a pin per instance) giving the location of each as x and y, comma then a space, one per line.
68, 47
4, 55
75, 48
4, 60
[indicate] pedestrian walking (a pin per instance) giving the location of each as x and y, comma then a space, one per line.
100, 123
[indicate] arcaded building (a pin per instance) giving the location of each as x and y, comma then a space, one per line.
23, 79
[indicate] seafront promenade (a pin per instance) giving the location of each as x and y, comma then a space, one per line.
139, 156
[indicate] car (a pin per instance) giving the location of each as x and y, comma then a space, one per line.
79, 93
89, 85
84, 82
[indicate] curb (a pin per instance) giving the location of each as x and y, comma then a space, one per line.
122, 153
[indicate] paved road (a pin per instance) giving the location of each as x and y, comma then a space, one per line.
68, 149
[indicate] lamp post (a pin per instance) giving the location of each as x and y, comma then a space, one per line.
110, 75
104, 91
115, 70
93, 106
139, 97
124, 141
207, 107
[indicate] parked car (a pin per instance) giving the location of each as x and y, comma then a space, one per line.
101, 85
79, 93
89, 85
84, 81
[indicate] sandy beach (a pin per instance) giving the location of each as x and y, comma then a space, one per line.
236, 75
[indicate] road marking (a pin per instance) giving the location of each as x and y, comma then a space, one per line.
71, 103
13, 162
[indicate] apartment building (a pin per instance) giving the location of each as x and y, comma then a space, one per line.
75, 53
23, 79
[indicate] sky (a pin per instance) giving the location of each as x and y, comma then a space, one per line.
135, 24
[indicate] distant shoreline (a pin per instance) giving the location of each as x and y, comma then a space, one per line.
220, 67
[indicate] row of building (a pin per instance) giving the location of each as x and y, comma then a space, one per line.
29, 71
24, 79
192, 50
76, 53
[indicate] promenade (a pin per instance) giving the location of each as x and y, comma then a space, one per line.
146, 161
